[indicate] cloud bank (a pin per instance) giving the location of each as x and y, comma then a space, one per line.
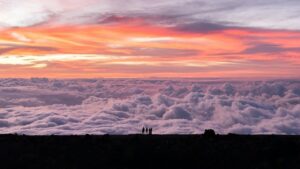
122, 106
274, 14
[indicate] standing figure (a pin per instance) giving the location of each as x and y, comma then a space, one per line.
146, 130
143, 130
150, 131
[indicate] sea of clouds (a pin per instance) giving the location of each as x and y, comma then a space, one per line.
41, 106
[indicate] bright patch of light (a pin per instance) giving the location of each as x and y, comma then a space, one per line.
33, 60
42, 65
151, 39
20, 37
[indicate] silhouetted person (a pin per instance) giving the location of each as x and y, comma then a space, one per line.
150, 131
146, 130
143, 130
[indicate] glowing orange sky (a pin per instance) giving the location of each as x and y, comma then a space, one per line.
138, 49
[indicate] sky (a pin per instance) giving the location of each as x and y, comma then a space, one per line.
157, 38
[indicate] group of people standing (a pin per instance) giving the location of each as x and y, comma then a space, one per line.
146, 130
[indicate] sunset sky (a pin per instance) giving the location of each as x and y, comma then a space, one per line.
157, 38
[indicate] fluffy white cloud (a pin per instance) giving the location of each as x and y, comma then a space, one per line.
122, 106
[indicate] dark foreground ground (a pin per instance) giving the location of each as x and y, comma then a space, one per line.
144, 151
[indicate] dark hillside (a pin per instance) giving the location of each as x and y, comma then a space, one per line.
145, 151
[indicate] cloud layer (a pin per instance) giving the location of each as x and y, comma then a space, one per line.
122, 106
275, 14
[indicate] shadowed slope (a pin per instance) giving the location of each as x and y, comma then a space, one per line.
156, 151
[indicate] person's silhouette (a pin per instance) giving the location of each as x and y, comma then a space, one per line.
143, 130
150, 131
146, 130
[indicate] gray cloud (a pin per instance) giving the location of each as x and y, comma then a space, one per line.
9, 48
268, 48
268, 14
201, 27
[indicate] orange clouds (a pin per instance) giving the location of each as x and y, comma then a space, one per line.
136, 49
